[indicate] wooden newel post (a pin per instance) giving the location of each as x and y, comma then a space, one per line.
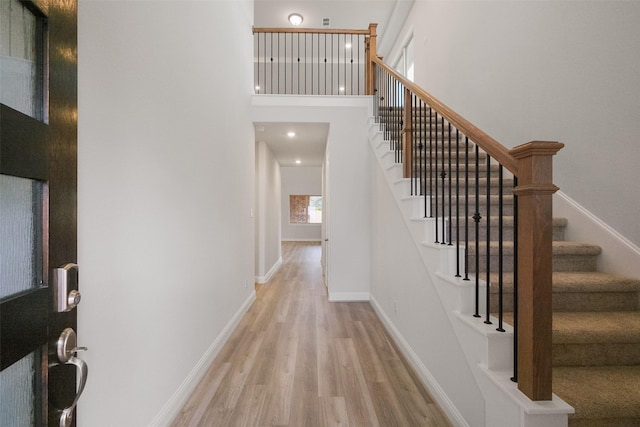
407, 136
371, 53
535, 225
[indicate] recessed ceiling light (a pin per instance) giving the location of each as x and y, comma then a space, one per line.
298, 162
341, 88
295, 19
348, 45
291, 134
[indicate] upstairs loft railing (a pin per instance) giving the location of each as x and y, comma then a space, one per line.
492, 203
302, 61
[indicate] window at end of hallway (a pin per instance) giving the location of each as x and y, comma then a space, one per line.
304, 209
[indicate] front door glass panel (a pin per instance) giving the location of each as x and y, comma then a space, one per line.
21, 59
20, 386
21, 228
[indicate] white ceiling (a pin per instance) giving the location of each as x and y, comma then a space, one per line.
308, 145
311, 138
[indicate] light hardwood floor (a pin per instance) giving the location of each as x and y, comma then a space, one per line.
298, 360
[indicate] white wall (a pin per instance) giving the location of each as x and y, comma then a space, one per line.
348, 185
166, 186
268, 213
404, 294
545, 70
300, 180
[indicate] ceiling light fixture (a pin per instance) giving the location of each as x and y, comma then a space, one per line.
295, 19
291, 134
298, 162
341, 88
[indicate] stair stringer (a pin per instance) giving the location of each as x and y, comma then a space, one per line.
489, 353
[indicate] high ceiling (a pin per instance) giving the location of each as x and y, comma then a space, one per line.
309, 144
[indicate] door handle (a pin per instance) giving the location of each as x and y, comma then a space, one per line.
67, 413
66, 350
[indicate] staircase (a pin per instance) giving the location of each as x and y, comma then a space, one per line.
596, 320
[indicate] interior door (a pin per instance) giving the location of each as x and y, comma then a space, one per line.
38, 138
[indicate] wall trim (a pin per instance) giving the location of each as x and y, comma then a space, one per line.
300, 240
427, 378
348, 296
619, 255
270, 273
177, 401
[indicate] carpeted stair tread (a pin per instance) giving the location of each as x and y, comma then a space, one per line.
580, 281
559, 248
596, 327
589, 390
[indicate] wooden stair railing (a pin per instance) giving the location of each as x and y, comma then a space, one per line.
531, 164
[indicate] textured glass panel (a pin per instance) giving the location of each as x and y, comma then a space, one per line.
18, 58
17, 393
20, 234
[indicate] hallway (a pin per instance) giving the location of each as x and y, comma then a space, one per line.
298, 360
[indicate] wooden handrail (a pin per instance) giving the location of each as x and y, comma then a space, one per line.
492, 147
308, 30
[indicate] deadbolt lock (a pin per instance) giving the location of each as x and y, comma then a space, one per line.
65, 288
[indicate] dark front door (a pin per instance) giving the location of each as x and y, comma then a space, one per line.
38, 138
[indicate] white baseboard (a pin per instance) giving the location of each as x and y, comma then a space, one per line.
619, 255
270, 273
348, 296
427, 378
172, 408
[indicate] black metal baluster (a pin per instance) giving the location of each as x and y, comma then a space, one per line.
256, 69
311, 82
466, 208
423, 154
359, 60
500, 249
476, 219
385, 111
332, 66
344, 50
400, 118
298, 63
416, 140
450, 192
443, 175
435, 196
515, 282
488, 245
398, 127
351, 67
325, 63
378, 94
458, 203
430, 163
